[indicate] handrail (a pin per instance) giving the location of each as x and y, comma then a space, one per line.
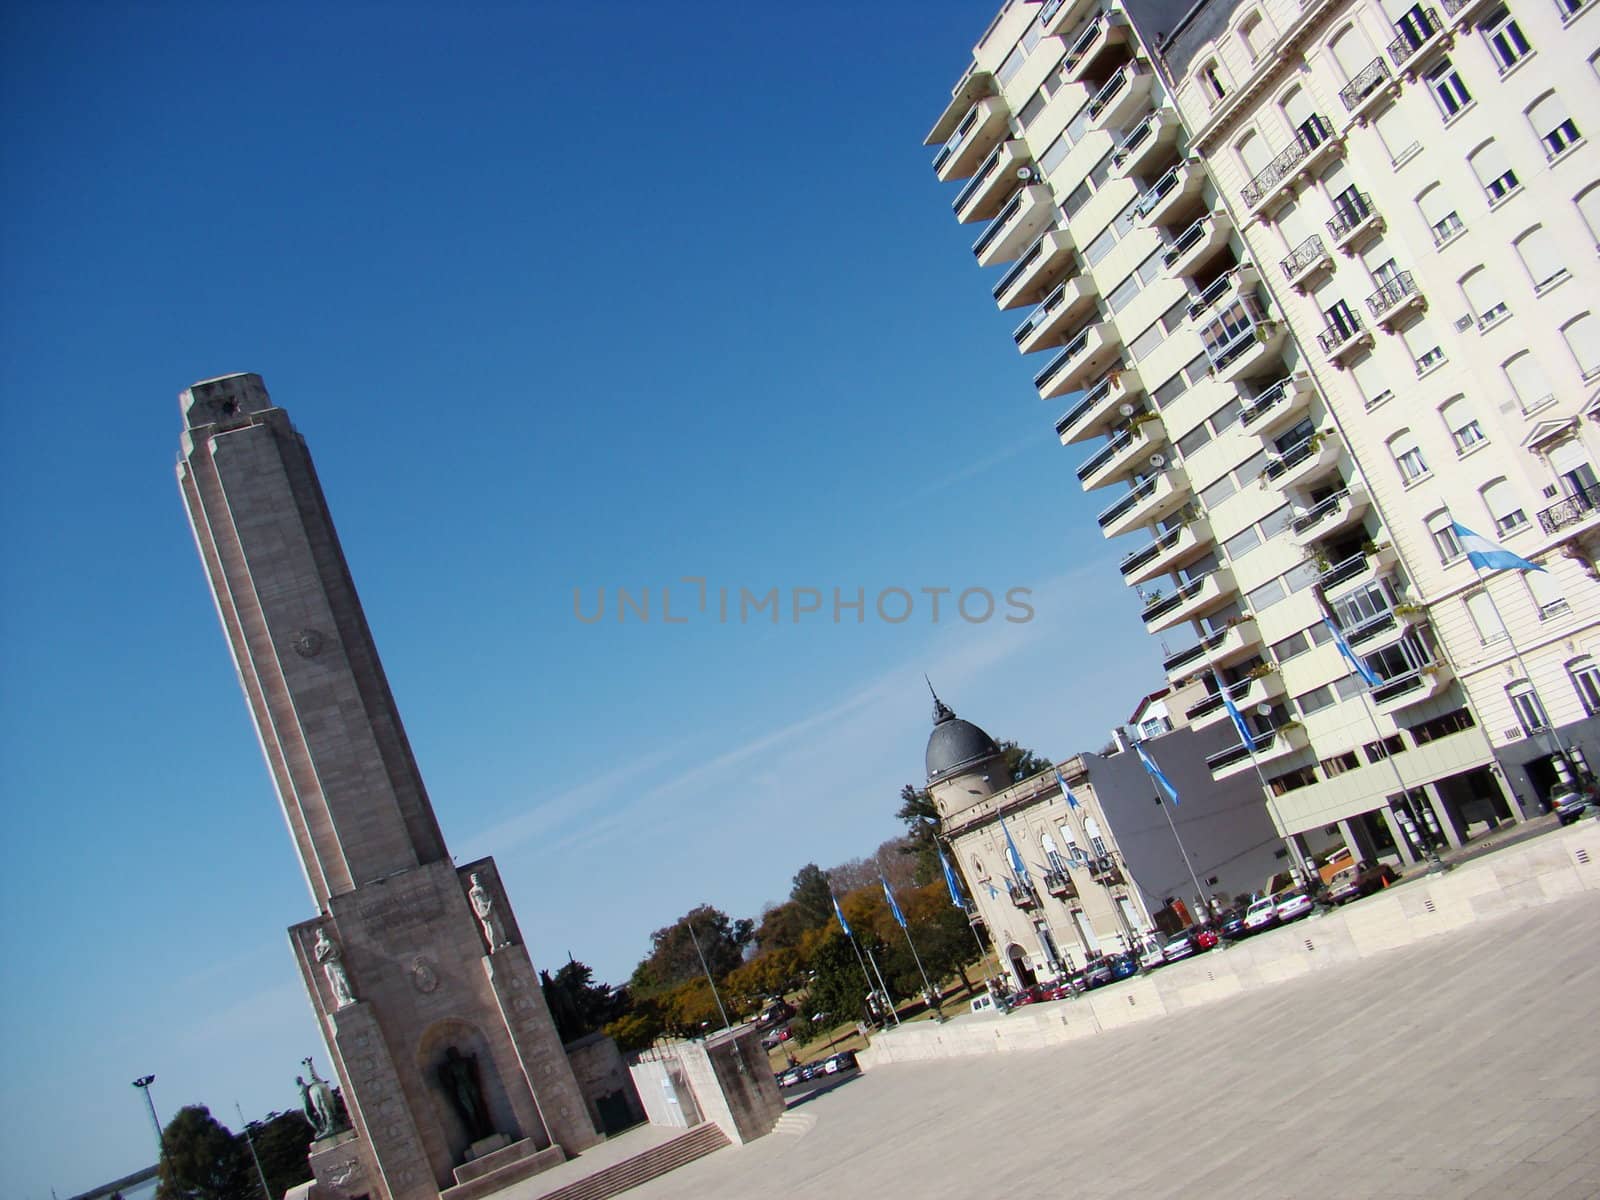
1335, 337
1135, 135
1003, 218
1302, 256
1322, 508
1017, 269
1187, 591
1154, 193
1368, 80
1080, 45
1068, 352
1042, 310
1135, 559
960, 135
1415, 28
1343, 570
1211, 293
1266, 400
1294, 455
979, 177
1348, 215
1108, 91
1579, 506
1134, 495
1307, 138
1117, 443
1392, 293
1185, 241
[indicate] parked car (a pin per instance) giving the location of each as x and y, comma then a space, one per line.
1124, 965
1178, 945
1362, 880
1262, 914
845, 1060
1569, 804
1027, 995
1292, 907
1232, 926
1205, 939
1097, 974
791, 1077
1152, 957
1063, 990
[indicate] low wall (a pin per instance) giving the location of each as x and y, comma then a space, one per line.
1544, 869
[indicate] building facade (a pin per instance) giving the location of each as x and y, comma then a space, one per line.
1415, 185
1100, 866
1257, 513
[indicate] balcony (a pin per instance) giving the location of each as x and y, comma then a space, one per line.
1223, 648
1313, 142
1419, 32
1018, 224
1168, 552
1354, 572
1394, 299
1271, 746
1127, 451
1023, 897
1029, 278
1233, 282
1057, 18
1179, 183
1339, 341
1058, 312
1413, 687
1354, 220
1105, 871
1239, 338
1306, 262
1574, 510
986, 192
973, 140
1363, 94
1122, 98
1080, 360
1381, 629
1193, 599
1146, 143
1460, 12
1197, 244
1303, 461
1330, 515
1246, 694
1277, 406
1157, 497
1108, 28
1100, 407
1059, 884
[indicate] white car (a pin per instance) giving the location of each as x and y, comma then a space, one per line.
1263, 914
1292, 906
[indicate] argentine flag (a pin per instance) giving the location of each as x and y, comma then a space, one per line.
1356, 663
888, 895
1248, 738
1485, 555
1017, 865
950, 879
1072, 801
842, 923
1163, 784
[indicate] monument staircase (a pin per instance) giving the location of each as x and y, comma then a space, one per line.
658, 1160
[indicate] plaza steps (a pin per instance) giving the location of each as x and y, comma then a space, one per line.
630, 1173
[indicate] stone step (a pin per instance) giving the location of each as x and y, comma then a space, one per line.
613, 1180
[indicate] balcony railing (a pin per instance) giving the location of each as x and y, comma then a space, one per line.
1371, 77
1166, 604
1133, 561
1049, 9
959, 136
1293, 456
1579, 506
1042, 311
1322, 508
1399, 685
1303, 255
1084, 40
1154, 193
979, 178
1348, 214
1107, 93
1343, 570
1212, 292
1340, 334
1264, 403
1392, 293
1059, 883
1371, 627
1226, 758
1092, 397
1185, 241
1232, 331
1138, 134
1415, 28
1307, 138
1199, 650
1002, 219
1067, 353
1029, 257
1105, 870
1021, 896
1113, 447
1211, 703
1143, 492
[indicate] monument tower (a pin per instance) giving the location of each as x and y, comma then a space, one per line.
452, 1070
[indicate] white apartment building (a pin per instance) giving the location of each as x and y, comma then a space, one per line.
1222, 459
1416, 186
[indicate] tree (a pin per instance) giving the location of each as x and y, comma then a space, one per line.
921, 816
578, 1004
781, 928
282, 1144
673, 958
838, 990
203, 1160
812, 896
1023, 764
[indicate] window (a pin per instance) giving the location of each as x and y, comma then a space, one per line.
1529, 383
1582, 335
1424, 346
1315, 700
1589, 209
1371, 381
1507, 44
1505, 507
1217, 492
1241, 543
1289, 647
1463, 425
1118, 297
1193, 440
1031, 110
1485, 619
1546, 593
1540, 258
1147, 341
1211, 82
1254, 36
1493, 169
1277, 521
1012, 64
1395, 132
1552, 125
1101, 246
1443, 726
1338, 764
1301, 576
1449, 93
1482, 291
1092, 828
1361, 606
1265, 596
1386, 748
1525, 703
1350, 685
1222, 420
1408, 457
1055, 155
1585, 678
1292, 780
1438, 210
1442, 529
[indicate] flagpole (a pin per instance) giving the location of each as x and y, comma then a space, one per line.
726, 1024
883, 987
850, 934
1266, 790
983, 953
1193, 878
1161, 783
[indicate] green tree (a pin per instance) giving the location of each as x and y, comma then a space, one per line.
578, 1004
812, 896
917, 810
781, 928
282, 1144
1022, 763
203, 1160
838, 990
673, 958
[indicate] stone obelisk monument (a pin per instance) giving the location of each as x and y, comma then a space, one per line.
452, 1071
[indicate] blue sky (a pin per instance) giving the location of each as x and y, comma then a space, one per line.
563, 297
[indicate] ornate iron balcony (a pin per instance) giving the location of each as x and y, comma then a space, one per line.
1348, 213
1579, 506
1392, 293
1307, 138
1303, 255
1415, 28
1371, 77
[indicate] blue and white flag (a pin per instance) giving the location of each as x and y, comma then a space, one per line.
888, 895
1485, 555
1018, 867
843, 924
1245, 735
1072, 801
1350, 656
956, 897
993, 891
1162, 782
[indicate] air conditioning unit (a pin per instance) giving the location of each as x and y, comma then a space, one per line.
1463, 322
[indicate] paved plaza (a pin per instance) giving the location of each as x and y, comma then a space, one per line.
1467, 1066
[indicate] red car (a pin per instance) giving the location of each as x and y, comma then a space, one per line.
1204, 939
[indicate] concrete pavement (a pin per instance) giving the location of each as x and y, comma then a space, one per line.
1465, 1066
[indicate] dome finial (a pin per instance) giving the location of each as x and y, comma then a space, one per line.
941, 710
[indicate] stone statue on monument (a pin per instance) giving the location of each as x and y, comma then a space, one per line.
459, 1075
332, 959
483, 904
316, 1098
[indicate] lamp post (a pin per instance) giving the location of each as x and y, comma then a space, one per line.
143, 1084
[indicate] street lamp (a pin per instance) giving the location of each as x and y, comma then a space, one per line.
143, 1084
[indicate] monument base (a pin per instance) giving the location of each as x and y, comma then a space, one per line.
488, 1145
499, 1168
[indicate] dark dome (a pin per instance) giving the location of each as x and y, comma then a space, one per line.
955, 744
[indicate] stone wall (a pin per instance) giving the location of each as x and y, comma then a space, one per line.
606, 1085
